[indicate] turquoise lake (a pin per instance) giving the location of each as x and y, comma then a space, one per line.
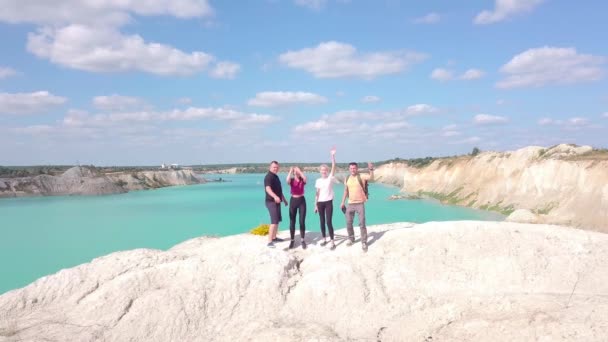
42, 235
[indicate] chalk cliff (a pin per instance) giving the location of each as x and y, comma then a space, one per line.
564, 185
448, 281
85, 181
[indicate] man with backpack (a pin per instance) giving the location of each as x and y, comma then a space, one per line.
355, 189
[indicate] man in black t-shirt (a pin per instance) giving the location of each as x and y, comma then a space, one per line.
274, 197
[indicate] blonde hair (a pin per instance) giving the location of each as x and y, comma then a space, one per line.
323, 166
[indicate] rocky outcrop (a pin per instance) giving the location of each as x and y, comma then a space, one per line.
564, 185
86, 181
523, 215
154, 179
449, 281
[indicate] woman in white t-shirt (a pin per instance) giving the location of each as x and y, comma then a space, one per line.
324, 198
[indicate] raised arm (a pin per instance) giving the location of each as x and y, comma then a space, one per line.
288, 179
299, 171
370, 167
333, 162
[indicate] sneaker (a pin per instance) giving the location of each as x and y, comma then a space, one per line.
323, 243
276, 239
291, 244
303, 244
270, 245
333, 246
364, 246
349, 243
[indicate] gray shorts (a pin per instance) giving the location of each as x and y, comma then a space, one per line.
274, 209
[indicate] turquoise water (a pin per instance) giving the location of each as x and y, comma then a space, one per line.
40, 236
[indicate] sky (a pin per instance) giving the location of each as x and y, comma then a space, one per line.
145, 82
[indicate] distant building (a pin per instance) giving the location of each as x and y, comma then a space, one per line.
164, 166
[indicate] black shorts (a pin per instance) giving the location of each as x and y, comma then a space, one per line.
274, 209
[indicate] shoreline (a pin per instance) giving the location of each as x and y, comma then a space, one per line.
450, 280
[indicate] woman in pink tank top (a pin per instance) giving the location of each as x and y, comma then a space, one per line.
297, 204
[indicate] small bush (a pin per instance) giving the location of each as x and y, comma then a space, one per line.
260, 230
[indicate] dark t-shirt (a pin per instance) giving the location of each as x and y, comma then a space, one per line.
274, 183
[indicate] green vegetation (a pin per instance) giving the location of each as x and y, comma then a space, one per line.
506, 211
597, 154
263, 167
414, 162
546, 209
30, 171
451, 198
542, 152
121, 183
260, 230
475, 151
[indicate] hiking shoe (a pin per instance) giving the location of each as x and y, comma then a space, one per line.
303, 244
291, 244
276, 239
270, 245
364, 246
349, 243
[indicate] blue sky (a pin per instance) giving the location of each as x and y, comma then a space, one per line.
111, 82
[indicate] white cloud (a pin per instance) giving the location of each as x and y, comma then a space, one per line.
546, 121
420, 109
77, 118
35, 129
450, 133
550, 65
504, 9
312, 4
470, 140
355, 125
184, 100
334, 60
472, 74
442, 75
485, 119
97, 12
256, 119
316, 4
430, 18
370, 99
283, 98
117, 102
390, 126
578, 121
605, 115
86, 35
107, 50
313, 126
7, 72
227, 70
29, 103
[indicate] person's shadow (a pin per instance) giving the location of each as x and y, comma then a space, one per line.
339, 239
